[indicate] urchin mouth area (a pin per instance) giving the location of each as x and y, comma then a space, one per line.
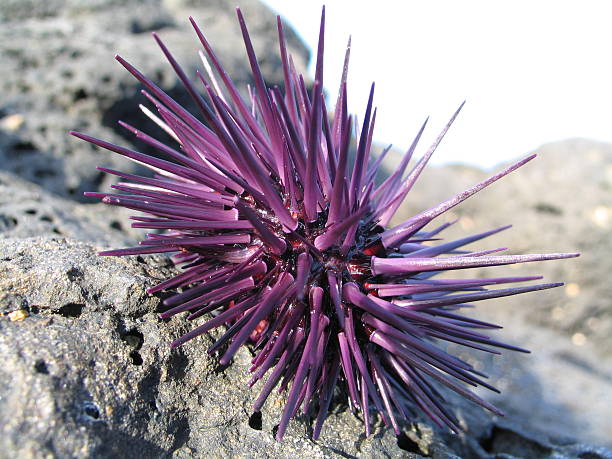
352, 264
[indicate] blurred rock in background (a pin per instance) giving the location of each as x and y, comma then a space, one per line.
87, 369
58, 74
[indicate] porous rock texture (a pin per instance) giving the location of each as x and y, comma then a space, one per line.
87, 370
27, 210
58, 74
89, 373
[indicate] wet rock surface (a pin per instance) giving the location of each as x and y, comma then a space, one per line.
87, 368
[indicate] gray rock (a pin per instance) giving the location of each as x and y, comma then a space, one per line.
89, 373
559, 202
27, 210
58, 74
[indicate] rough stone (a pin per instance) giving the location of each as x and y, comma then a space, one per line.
27, 210
89, 373
58, 74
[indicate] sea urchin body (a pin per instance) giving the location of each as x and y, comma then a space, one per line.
280, 230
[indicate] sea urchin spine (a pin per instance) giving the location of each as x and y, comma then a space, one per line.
285, 244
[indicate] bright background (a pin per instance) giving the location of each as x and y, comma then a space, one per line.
532, 71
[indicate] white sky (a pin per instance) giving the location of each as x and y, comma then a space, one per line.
532, 71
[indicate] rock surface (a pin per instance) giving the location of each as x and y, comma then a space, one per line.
559, 202
58, 74
89, 373
27, 210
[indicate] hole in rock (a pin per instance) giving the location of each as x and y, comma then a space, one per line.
41, 367
80, 95
91, 410
24, 146
255, 421
407, 444
136, 358
116, 225
546, 208
134, 339
74, 274
71, 310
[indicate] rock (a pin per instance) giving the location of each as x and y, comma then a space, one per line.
89, 373
559, 202
58, 74
27, 210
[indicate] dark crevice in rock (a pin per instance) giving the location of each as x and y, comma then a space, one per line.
133, 338
505, 441
80, 94
116, 225
136, 358
255, 421
24, 145
137, 26
74, 274
180, 430
590, 455
177, 365
148, 388
41, 367
7, 222
546, 208
407, 444
71, 310
90, 411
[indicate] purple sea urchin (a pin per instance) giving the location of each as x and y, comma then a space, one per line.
285, 243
